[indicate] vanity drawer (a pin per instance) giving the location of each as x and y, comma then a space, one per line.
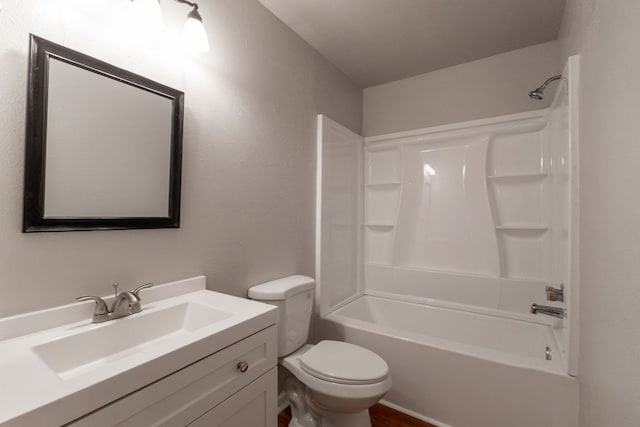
185, 395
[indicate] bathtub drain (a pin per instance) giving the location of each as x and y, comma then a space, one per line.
547, 353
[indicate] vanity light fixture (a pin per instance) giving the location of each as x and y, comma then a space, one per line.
194, 34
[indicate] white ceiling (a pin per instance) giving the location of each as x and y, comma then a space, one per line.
378, 41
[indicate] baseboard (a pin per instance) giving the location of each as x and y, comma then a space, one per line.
414, 414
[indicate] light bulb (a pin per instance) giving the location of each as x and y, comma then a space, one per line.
195, 36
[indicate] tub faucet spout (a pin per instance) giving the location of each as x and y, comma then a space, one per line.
558, 312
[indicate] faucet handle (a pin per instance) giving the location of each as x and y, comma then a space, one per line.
141, 287
136, 307
101, 312
555, 294
101, 306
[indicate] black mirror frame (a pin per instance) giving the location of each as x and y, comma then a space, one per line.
36, 130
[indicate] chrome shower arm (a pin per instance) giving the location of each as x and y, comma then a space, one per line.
549, 80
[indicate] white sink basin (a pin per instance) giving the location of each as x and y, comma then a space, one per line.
107, 342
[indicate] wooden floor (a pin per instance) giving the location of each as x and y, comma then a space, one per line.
381, 416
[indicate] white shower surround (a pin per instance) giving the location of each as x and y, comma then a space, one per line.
518, 176
463, 214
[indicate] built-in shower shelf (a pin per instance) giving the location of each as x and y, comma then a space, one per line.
380, 225
378, 264
383, 185
518, 176
527, 228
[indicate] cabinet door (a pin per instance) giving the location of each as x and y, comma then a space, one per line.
254, 406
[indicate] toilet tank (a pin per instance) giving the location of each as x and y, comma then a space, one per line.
293, 295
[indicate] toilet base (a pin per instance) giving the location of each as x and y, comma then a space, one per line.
305, 414
360, 419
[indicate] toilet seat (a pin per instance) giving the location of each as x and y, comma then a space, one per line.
344, 363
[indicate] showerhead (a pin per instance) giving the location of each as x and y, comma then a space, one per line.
538, 93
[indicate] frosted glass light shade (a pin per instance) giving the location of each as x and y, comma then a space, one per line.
195, 36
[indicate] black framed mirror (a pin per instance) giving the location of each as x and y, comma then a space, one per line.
103, 145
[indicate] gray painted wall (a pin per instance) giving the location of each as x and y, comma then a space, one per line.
249, 150
607, 35
488, 87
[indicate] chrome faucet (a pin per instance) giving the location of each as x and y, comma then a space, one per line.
558, 312
124, 304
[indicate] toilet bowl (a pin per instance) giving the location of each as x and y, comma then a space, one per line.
332, 383
340, 377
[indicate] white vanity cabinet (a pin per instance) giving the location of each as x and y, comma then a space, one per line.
213, 391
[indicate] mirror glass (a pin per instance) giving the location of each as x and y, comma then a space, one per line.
104, 157
103, 145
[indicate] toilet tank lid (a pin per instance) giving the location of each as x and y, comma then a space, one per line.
280, 289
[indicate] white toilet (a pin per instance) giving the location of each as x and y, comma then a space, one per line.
334, 383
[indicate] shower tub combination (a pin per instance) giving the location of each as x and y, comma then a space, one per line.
455, 368
432, 246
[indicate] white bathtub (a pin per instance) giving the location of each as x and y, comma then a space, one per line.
461, 369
